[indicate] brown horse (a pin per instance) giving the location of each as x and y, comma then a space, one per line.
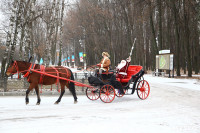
35, 78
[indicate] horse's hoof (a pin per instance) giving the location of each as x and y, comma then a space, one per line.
56, 103
75, 102
27, 103
37, 103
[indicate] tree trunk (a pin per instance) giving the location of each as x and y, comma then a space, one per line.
17, 22
159, 3
187, 39
177, 39
61, 32
153, 30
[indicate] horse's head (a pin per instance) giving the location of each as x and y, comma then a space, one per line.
17, 67
12, 69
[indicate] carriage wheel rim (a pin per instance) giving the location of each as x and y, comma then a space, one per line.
143, 89
107, 93
92, 93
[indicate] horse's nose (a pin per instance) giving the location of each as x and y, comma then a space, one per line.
8, 74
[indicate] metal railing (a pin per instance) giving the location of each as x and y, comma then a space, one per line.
14, 84
84, 75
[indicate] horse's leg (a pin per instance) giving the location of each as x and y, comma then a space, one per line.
31, 86
38, 95
71, 87
61, 93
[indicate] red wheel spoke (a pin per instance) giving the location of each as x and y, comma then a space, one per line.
143, 89
144, 94
140, 94
108, 95
92, 93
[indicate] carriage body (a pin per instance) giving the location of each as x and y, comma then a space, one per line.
131, 71
107, 91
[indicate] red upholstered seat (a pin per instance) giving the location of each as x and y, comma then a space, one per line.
132, 70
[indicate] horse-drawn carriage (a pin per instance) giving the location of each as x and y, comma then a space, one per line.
37, 74
107, 90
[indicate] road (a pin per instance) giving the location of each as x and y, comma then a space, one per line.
168, 109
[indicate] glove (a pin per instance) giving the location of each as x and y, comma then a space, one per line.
98, 65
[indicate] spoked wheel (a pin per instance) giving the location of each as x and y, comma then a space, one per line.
92, 93
117, 92
107, 93
143, 89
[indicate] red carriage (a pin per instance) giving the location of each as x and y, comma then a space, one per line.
107, 91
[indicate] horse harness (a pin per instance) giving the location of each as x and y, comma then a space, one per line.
42, 69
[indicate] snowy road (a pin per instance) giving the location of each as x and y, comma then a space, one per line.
172, 107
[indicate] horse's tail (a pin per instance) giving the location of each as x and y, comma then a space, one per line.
72, 86
72, 76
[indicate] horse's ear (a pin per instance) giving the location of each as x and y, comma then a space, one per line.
30, 59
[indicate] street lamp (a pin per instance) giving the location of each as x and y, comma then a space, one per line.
74, 51
82, 43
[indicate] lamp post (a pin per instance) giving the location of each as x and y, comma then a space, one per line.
57, 56
74, 50
84, 55
82, 43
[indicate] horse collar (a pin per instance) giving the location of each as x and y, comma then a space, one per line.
29, 70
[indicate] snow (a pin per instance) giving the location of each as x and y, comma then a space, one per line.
172, 107
184, 83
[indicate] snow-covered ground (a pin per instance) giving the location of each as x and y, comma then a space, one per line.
173, 106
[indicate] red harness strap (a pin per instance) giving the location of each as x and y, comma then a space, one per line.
16, 68
67, 72
42, 69
57, 73
28, 72
57, 81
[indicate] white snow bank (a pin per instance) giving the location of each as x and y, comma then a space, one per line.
193, 84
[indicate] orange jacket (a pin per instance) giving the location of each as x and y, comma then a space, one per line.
105, 63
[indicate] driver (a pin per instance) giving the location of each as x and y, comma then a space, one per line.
105, 62
104, 66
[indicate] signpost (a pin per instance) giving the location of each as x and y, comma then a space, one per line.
164, 61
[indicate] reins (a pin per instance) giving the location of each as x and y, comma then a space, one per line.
32, 66
16, 68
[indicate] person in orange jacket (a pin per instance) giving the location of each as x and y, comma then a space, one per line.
105, 63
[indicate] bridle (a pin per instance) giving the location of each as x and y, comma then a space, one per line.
15, 65
16, 68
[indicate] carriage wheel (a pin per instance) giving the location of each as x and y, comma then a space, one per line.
143, 89
107, 93
118, 94
92, 93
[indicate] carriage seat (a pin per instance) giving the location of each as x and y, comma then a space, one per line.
132, 70
128, 77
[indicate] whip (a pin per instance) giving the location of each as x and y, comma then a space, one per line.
132, 47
